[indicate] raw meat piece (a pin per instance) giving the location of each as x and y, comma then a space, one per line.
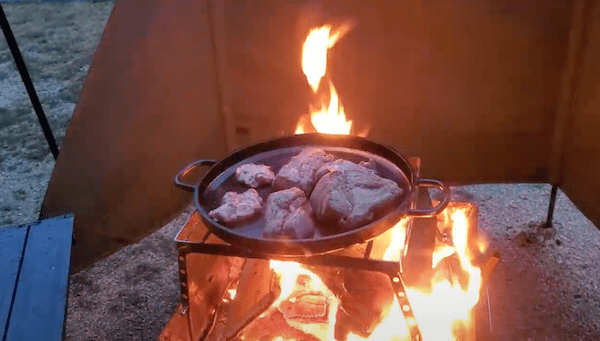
254, 175
236, 207
352, 198
342, 165
288, 213
300, 171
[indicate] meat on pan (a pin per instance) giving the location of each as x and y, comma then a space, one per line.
300, 171
288, 214
255, 175
352, 198
342, 165
237, 208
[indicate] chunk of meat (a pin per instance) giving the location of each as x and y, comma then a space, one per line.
255, 175
288, 213
300, 171
236, 207
342, 165
352, 198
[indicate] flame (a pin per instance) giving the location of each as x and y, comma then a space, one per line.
314, 55
445, 309
441, 311
396, 241
327, 117
331, 119
448, 306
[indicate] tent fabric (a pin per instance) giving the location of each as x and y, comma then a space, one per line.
471, 88
580, 163
148, 107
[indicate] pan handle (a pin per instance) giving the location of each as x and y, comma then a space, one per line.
188, 169
430, 212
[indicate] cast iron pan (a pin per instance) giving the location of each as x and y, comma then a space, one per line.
220, 178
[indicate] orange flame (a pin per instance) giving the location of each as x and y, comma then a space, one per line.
397, 240
448, 306
439, 312
328, 117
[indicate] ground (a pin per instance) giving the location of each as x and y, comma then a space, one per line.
546, 286
57, 41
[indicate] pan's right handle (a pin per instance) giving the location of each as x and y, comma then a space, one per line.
198, 163
430, 212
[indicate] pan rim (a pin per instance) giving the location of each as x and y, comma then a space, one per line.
307, 246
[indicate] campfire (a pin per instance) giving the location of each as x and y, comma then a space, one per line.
271, 298
442, 311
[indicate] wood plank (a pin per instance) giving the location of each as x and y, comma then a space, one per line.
12, 241
41, 295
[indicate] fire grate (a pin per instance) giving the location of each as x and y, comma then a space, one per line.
392, 269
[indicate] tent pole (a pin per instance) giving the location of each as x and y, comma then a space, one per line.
551, 206
37, 106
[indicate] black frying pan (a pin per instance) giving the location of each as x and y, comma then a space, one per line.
220, 178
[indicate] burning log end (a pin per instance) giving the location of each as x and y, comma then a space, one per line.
255, 311
366, 298
366, 302
307, 308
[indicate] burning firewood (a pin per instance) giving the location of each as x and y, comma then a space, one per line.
272, 326
306, 308
366, 298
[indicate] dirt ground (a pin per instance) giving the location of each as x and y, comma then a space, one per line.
57, 41
546, 286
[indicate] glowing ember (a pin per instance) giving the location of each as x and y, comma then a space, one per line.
328, 117
289, 274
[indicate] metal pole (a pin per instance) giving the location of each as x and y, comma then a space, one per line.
551, 207
37, 106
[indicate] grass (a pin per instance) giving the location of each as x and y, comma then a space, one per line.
57, 41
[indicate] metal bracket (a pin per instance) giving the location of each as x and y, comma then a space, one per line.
391, 269
407, 311
182, 253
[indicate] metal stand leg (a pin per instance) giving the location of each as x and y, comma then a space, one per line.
182, 253
37, 106
551, 206
413, 328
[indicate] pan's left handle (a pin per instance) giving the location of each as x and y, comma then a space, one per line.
430, 212
198, 163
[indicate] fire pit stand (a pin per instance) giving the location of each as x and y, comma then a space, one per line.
392, 269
